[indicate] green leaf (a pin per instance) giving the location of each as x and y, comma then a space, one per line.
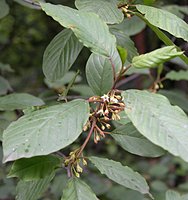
5, 68
158, 186
4, 9
78, 190
132, 141
28, 169
88, 27
123, 54
165, 21
125, 41
156, 57
118, 192
83, 90
99, 74
3, 125
162, 36
106, 9
32, 190
179, 11
19, 101
177, 76
122, 175
62, 82
131, 26
172, 195
176, 98
155, 118
60, 55
45, 131
4, 86
184, 197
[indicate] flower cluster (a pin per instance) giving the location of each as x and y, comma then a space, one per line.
74, 163
107, 108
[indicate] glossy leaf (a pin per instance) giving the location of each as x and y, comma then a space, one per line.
4, 8
60, 55
156, 57
122, 175
19, 101
155, 118
78, 190
32, 190
88, 27
106, 9
99, 74
132, 141
177, 75
165, 21
45, 131
28, 169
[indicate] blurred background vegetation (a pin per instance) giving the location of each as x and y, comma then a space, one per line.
24, 35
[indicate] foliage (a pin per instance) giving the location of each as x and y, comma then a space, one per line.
45, 133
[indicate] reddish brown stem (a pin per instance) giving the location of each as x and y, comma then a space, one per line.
88, 137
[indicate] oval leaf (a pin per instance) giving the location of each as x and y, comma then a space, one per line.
88, 27
45, 131
32, 190
177, 76
3, 125
99, 74
125, 41
132, 141
19, 101
28, 169
60, 55
173, 195
156, 57
4, 86
165, 21
131, 26
4, 9
106, 9
78, 190
176, 97
155, 118
122, 175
